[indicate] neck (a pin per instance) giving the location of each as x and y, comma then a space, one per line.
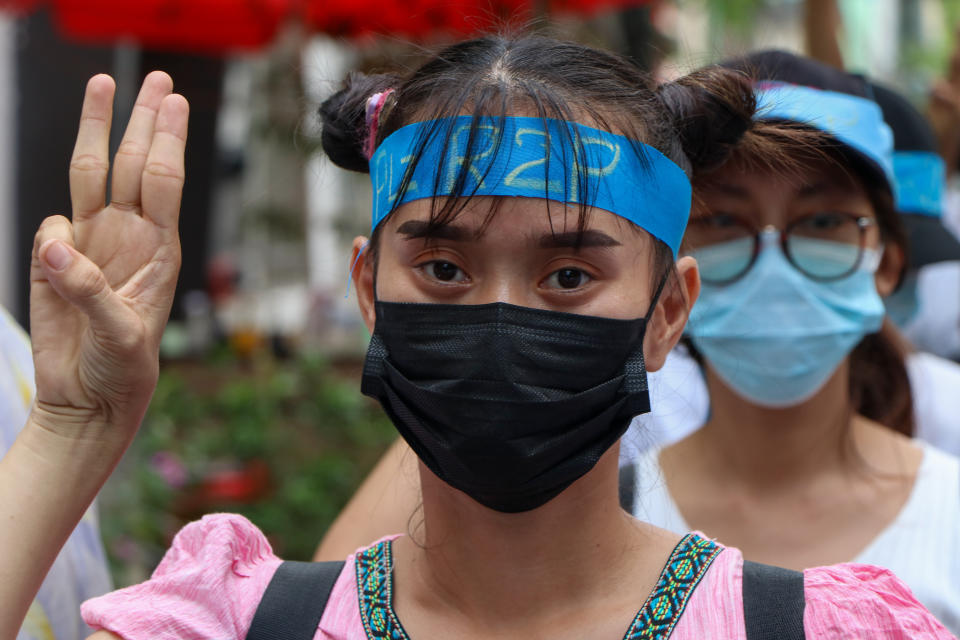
777, 446
504, 567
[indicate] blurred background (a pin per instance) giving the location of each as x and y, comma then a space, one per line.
258, 408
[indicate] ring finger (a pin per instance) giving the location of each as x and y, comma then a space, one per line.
132, 152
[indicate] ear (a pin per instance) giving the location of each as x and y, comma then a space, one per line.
670, 316
890, 270
362, 273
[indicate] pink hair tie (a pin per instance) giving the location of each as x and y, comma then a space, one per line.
374, 107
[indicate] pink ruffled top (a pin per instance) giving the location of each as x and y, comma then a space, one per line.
210, 581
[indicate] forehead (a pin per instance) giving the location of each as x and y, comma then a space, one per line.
820, 177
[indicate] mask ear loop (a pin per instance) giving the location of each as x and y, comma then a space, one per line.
656, 297
635, 368
353, 268
872, 258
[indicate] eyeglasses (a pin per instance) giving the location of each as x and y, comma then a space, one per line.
823, 246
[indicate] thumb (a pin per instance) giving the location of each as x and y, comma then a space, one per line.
81, 282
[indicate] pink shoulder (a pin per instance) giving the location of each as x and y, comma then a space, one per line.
208, 585
864, 601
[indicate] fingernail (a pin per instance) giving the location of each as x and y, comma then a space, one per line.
58, 256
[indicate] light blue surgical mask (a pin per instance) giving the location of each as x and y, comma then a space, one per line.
904, 303
775, 336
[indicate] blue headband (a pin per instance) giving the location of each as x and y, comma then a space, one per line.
856, 122
920, 182
509, 158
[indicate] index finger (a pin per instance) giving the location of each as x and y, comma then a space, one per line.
163, 172
90, 161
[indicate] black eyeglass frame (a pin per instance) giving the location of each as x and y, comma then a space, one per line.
863, 223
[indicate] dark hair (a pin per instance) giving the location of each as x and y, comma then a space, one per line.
694, 121
878, 383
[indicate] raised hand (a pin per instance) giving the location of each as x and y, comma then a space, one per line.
102, 283
101, 288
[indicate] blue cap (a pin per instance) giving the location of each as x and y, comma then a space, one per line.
854, 121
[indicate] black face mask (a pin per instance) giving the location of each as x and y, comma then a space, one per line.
508, 404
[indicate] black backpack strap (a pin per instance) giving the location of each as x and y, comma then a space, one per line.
628, 486
773, 602
294, 601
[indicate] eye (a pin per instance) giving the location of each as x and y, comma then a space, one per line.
720, 220
444, 271
568, 278
827, 221
717, 228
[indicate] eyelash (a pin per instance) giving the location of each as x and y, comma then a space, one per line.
585, 276
425, 268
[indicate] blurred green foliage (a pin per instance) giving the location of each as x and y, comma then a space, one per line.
951, 10
737, 15
925, 54
304, 421
927, 33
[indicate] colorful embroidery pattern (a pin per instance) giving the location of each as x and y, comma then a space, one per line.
686, 567
660, 613
375, 586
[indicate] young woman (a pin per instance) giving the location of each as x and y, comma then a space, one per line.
794, 464
920, 403
529, 198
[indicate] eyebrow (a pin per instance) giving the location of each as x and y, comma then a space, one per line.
807, 190
415, 229
421, 229
730, 190
817, 188
577, 240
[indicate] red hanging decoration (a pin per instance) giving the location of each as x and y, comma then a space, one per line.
19, 7
220, 26
203, 26
418, 19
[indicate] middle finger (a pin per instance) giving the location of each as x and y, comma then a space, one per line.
132, 152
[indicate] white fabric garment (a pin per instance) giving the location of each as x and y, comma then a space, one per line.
935, 385
936, 325
679, 405
80, 571
951, 211
921, 546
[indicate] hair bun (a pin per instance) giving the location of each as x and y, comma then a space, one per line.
711, 109
345, 132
